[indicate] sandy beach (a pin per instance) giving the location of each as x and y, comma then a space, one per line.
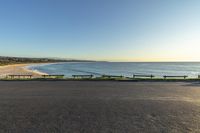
19, 69
99, 107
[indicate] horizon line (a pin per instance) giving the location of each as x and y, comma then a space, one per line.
99, 60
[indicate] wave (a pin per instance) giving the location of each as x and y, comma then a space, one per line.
34, 71
88, 72
38, 65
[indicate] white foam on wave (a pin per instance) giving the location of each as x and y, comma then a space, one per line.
39, 72
32, 68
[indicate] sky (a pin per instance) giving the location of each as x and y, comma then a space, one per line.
109, 30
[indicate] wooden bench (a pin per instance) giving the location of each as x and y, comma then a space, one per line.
19, 76
53, 76
82, 76
112, 76
184, 76
143, 76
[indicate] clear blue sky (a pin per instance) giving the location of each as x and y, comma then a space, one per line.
114, 30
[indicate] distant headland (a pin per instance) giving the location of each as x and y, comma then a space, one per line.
6, 60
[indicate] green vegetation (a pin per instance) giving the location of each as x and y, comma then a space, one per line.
18, 60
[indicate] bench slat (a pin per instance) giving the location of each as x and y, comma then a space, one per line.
112, 76
137, 75
184, 76
52, 76
20, 76
82, 76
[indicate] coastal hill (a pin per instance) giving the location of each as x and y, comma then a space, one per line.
20, 60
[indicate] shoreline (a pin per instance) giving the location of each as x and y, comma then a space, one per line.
21, 69
25, 68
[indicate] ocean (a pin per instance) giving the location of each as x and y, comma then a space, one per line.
159, 69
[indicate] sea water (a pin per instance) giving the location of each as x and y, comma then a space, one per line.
159, 69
